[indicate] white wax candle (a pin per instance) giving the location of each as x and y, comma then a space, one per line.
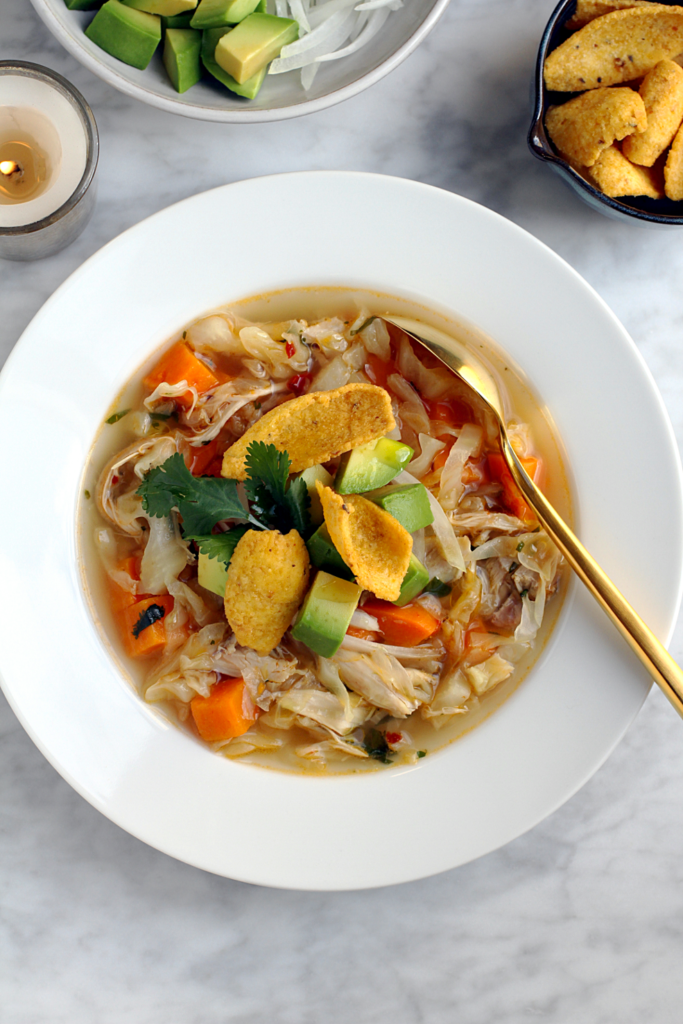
38, 109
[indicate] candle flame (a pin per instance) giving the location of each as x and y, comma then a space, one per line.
8, 167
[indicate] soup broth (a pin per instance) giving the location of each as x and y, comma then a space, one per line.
484, 635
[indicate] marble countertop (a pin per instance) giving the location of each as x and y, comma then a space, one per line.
579, 920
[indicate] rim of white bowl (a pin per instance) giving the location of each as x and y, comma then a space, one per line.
70, 41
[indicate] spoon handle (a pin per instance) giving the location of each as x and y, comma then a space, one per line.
641, 639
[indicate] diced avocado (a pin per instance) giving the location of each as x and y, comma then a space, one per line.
83, 5
309, 477
324, 555
167, 8
212, 574
215, 13
182, 49
131, 36
409, 503
372, 465
177, 21
248, 89
326, 613
261, 7
253, 44
414, 582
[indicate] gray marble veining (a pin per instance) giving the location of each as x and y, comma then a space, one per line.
579, 920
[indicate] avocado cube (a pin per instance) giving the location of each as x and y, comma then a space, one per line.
261, 7
177, 21
212, 574
409, 503
324, 555
253, 44
326, 613
167, 8
309, 477
131, 36
414, 582
215, 13
248, 89
371, 465
182, 49
83, 5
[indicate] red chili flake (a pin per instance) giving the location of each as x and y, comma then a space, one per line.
290, 349
299, 384
114, 480
394, 737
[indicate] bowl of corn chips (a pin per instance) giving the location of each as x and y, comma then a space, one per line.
608, 114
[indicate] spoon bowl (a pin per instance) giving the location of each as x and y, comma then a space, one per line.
471, 371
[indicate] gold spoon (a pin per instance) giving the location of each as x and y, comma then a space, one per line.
641, 639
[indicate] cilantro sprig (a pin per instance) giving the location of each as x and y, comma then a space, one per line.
204, 501
285, 507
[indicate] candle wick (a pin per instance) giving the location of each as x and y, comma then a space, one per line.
10, 167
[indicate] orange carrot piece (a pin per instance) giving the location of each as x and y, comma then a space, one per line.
202, 457
119, 597
180, 363
227, 712
511, 494
405, 627
150, 640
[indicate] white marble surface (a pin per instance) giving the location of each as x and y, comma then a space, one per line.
581, 919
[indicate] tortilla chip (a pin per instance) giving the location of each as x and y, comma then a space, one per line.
317, 427
662, 93
373, 544
267, 581
616, 48
616, 176
673, 170
584, 127
589, 10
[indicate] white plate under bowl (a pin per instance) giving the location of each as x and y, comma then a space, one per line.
281, 96
403, 238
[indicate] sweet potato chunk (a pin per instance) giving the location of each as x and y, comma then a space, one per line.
267, 580
662, 94
617, 47
316, 428
582, 128
616, 176
372, 543
673, 170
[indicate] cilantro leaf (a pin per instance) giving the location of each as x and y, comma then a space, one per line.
376, 745
282, 507
201, 501
437, 587
298, 504
221, 545
267, 472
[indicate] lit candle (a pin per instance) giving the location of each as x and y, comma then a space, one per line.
48, 157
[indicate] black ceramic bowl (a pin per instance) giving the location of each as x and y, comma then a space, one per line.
641, 208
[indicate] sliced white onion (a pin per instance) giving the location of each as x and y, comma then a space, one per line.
328, 36
373, 26
308, 74
299, 14
374, 5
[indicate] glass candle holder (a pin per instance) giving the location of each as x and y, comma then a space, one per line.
49, 147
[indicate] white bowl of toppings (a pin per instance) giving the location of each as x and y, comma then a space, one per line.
163, 452
240, 60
